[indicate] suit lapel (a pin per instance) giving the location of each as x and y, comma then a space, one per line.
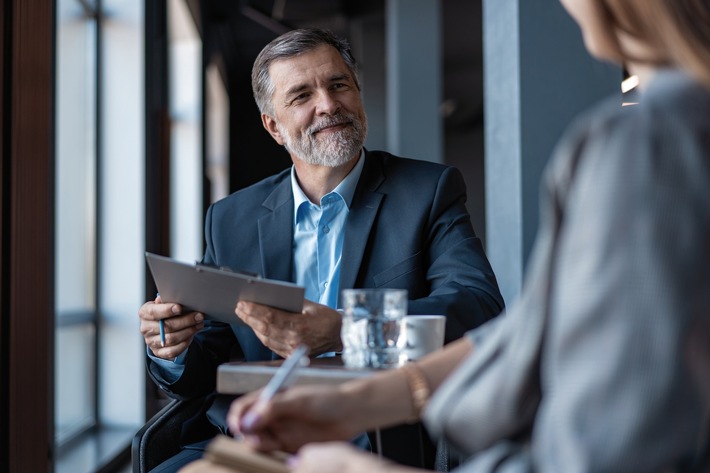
276, 233
363, 211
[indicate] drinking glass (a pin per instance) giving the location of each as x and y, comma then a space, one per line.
372, 322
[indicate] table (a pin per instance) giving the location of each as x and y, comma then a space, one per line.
236, 378
243, 377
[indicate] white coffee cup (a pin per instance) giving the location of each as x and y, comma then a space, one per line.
422, 334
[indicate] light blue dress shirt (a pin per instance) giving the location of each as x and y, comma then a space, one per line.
318, 237
318, 246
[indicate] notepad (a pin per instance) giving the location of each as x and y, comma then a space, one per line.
223, 450
215, 292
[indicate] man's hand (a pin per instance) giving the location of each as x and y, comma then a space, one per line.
317, 327
179, 327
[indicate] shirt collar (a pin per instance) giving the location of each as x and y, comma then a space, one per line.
346, 188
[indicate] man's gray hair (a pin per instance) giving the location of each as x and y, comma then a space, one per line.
288, 45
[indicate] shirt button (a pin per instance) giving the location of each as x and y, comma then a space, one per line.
326, 228
325, 285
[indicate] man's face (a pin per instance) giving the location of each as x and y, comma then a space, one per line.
318, 113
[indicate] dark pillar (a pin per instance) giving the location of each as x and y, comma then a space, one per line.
538, 76
27, 219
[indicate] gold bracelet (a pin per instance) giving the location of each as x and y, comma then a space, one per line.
418, 387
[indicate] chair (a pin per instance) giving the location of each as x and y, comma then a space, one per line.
159, 438
446, 459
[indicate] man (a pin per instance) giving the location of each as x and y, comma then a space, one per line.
341, 217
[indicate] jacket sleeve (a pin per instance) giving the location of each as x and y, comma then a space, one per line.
210, 347
461, 278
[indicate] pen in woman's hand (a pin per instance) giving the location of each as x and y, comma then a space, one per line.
283, 378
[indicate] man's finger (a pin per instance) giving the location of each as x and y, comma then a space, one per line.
153, 311
177, 323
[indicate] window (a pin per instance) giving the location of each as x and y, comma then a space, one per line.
186, 166
75, 287
99, 383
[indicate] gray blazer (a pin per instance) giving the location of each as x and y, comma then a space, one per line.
603, 364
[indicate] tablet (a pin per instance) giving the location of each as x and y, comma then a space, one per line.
216, 291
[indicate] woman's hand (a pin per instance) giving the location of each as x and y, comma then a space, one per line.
297, 416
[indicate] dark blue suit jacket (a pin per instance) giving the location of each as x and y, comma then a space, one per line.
407, 228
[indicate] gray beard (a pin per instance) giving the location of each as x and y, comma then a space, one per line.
336, 149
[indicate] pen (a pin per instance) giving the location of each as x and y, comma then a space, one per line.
283, 378
286, 374
161, 326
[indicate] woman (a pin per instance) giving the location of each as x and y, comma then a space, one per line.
604, 362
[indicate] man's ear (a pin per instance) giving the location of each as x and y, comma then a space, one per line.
270, 126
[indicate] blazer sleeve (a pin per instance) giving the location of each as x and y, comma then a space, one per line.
459, 274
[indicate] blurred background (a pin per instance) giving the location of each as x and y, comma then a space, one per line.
124, 119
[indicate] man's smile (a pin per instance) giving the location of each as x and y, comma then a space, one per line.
333, 128
330, 126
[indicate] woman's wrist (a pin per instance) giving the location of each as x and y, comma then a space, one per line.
419, 388
376, 401
358, 402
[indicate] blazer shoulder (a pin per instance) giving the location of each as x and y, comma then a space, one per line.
672, 103
389, 160
255, 193
394, 167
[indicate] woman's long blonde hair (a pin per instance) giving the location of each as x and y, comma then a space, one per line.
677, 30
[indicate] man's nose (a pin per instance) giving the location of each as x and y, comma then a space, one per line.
327, 104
